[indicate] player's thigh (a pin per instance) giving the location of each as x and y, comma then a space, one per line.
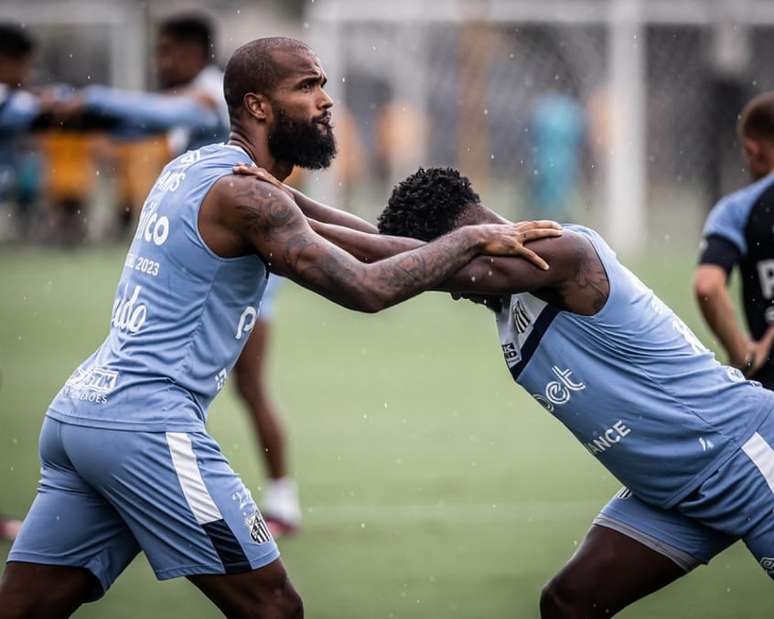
249, 366
189, 511
34, 590
70, 525
265, 592
608, 572
632, 550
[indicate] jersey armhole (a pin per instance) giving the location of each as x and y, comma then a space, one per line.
610, 286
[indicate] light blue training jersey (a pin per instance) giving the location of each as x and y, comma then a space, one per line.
632, 383
181, 314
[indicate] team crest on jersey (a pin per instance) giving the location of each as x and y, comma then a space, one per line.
767, 563
521, 319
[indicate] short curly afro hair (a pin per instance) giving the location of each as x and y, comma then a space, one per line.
427, 204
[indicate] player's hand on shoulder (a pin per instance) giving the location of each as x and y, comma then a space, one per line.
510, 239
262, 174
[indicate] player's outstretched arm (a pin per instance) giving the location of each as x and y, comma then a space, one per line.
373, 247
268, 220
576, 275
142, 112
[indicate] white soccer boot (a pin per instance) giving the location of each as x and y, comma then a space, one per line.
280, 506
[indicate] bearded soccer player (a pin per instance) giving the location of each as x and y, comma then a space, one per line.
194, 112
126, 462
690, 438
738, 233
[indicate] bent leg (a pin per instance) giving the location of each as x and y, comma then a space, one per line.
35, 591
632, 550
609, 571
280, 501
253, 390
266, 592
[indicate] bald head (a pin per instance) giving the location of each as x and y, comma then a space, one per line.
258, 66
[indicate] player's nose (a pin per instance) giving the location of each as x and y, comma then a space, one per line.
325, 102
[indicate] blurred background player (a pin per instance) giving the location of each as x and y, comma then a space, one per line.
191, 111
279, 500
738, 233
187, 112
557, 130
18, 111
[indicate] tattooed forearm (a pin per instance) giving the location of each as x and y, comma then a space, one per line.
279, 231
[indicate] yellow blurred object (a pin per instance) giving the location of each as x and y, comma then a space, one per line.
400, 131
138, 164
70, 165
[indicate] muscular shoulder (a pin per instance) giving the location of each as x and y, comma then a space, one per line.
252, 205
241, 215
579, 277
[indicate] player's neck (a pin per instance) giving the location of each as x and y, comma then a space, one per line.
479, 214
257, 147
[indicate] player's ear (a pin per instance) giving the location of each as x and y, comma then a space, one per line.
751, 148
256, 105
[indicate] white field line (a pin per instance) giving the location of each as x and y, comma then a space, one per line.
527, 511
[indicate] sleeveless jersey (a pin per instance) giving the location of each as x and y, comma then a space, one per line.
181, 314
632, 383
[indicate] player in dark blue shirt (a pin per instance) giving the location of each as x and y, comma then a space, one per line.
739, 232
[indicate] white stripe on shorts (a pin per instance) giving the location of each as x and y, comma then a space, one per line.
762, 455
187, 469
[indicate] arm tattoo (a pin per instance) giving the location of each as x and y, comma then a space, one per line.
263, 210
590, 279
280, 232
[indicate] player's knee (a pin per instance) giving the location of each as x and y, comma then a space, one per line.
248, 384
29, 607
13, 607
290, 603
281, 602
559, 599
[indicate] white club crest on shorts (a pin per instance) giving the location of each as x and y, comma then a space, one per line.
259, 532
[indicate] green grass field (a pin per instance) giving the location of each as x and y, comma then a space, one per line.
432, 485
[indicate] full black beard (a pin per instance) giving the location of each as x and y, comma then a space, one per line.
302, 143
